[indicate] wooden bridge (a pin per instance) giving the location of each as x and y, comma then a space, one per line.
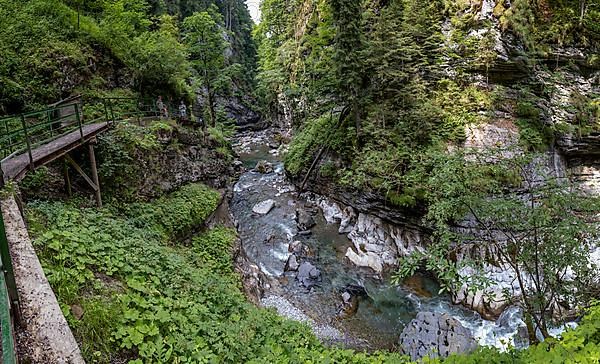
31, 140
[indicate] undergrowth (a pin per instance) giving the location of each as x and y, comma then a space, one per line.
148, 299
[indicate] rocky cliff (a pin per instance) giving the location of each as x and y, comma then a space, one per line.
548, 104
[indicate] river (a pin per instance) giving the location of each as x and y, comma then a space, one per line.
381, 309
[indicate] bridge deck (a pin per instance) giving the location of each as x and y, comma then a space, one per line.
15, 167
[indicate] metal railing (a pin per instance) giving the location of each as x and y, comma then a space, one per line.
21, 134
9, 299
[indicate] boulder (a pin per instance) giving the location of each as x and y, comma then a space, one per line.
263, 167
308, 275
292, 263
369, 259
264, 207
435, 335
304, 220
299, 249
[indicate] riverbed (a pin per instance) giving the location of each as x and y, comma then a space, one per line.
380, 310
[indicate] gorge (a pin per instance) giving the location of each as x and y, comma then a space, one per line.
350, 181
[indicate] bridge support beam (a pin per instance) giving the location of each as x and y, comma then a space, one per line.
67, 177
93, 182
95, 172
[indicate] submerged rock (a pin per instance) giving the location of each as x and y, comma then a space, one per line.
435, 335
304, 220
300, 249
264, 207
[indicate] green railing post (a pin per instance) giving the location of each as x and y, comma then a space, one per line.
79, 121
9, 300
49, 118
28, 141
7, 151
8, 344
7, 266
112, 112
106, 111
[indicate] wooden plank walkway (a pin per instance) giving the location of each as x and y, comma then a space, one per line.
15, 167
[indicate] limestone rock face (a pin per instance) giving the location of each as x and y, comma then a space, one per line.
378, 244
491, 302
435, 335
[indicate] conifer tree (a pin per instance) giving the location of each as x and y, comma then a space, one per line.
347, 56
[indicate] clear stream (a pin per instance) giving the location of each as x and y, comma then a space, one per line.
382, 313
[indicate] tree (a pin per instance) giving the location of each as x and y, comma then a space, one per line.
158, 59
540, 228
347, 57
205, 37
486, 56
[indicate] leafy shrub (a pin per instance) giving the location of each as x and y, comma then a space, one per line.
178, 213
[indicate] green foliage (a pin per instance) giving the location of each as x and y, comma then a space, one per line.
319, 132
53, 48
205, 36
533, 133
540, 230
35, 179
146, 298
177, 214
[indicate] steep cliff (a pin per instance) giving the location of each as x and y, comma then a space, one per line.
436, 78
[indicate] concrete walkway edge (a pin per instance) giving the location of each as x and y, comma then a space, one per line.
53, 341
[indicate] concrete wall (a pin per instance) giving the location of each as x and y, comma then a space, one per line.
49, 337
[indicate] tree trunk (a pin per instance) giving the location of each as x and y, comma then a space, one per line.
211, 108
530, 330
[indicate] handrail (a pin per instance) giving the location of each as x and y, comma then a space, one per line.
20, 133
9, 299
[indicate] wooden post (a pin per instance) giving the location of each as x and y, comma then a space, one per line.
95, 173
67, 178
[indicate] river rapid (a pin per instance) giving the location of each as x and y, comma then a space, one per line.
378, 311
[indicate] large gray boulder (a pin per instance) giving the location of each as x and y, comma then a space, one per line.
435, 335
308, 275
263, 207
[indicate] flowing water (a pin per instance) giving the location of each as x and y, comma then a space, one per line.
382, 312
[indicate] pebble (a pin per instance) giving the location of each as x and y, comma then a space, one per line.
287, 310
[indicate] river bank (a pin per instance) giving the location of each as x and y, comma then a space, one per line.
344, 303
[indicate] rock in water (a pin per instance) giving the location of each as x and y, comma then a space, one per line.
264, 207
263, 167
308, 275
304, 220
292, 263
435, 335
